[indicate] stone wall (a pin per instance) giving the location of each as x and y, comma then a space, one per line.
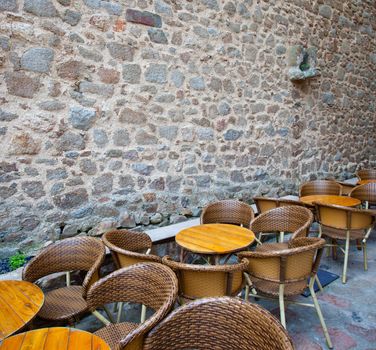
129, 112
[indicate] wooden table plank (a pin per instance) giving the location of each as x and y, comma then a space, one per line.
20, 301
215, 238
55, 338
329, 199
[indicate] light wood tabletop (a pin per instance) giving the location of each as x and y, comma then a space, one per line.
215, 238
56, 338
20, 301
329, 199
363, 182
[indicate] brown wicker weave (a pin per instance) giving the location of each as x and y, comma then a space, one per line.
346, 187
366, 193
264, 204
151, 284
366, 174
129, 247
344, 223
320, 187
287, 219
284, 273
71, 254
227, 212
219, 324
200, 281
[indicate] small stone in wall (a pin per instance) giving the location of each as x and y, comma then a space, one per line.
121, 137
72, 199
64, 2
131, 73
143, 17
143, 138
100, 137
156, 73
71, 70
23, 143
93, 55
120, 51
82, 118
97, 89
197, 83
37, 59
108, 76
7, 116
52, 105
20, 84
72, 17
103, 184
100, 21
6, 192
70, 142
88, 167
41, 8
143, 169
157, 36
34, 189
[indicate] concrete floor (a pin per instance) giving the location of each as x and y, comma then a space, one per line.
349, 309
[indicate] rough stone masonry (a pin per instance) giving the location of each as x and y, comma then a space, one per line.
124, 113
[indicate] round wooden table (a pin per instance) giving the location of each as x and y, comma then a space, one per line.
215, 239
56, 338
20, 301
329, 199
363, 182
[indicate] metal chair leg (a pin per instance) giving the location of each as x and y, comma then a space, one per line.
319, 283
364, 244
120, 310
319, 313
282, 305
143, 313
347, 247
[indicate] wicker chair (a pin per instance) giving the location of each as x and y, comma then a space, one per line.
200, 281
129, 247
150, 284
264, 204
286, 219
344, 223
329, 187
221, 324
366, 193
366, 174
71, 254
346, 187
227, 212
284, 273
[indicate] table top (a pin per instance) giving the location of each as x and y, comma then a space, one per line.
20, 301
56, 338
215, 238
329, 199
363, 182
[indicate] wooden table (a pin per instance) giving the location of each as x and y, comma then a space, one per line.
363, 182
329, 199
20, 301
56, 338
215, 239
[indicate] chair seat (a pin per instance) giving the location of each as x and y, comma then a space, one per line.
272, 288
63, 304
341, 234
115, 332
267, 247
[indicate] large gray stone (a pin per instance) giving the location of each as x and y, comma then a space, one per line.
143, 169
120, 51
144, 138
72, 17
37, 59
157, 36
72, 199
177, 77
7, 116
41, 8
57, 174
104, 90
197, 83
88, 167
325, 11
156, 73
100, 137
34, 189
70, 141
103, 184
8, 5
161, 7
121, 137
82, 118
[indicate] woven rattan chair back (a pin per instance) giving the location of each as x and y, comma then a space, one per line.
366, 174
343, 218
151, 284
289, 219
70, 254
365, 193
329, 187
288, 266
129, 247
264, 204
219, 323
227, 212
200, 281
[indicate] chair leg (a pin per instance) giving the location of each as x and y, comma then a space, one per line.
364, 244
282, 304
120, 310
281, 236
108, 313
319, 313
319, 283
334, 249
143, 313
347, 248
246, 293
